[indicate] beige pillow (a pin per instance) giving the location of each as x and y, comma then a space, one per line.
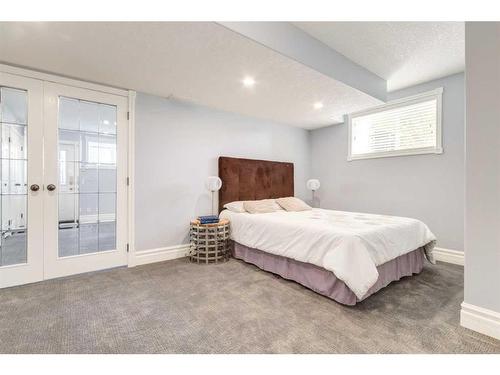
262, 206
236, 206
293, 204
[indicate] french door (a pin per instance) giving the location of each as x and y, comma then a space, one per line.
85, 205
21, 219
64, 184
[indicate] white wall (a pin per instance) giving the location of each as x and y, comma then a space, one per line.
177, 147
426, 187
482, 163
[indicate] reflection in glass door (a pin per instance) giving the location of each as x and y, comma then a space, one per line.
13, 171
87, 177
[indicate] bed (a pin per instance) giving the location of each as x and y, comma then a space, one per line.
345, 256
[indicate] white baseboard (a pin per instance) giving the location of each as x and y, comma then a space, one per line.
179, 251
480, 320
449, 256
158, 255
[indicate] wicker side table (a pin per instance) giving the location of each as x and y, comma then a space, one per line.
209, 242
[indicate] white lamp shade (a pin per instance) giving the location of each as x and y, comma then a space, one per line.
213, 183
313, 184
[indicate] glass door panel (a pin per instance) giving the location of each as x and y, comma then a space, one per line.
87, 177
13, 172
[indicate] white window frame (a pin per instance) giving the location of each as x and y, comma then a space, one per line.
429, 95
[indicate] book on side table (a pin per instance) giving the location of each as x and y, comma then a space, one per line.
211, 219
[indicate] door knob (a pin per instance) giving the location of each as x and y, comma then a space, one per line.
51, 187
34, 187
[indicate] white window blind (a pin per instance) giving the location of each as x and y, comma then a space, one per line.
406, 127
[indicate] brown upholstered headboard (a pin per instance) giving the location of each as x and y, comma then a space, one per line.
248, 179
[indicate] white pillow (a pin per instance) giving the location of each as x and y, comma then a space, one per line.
293, 204
236, 206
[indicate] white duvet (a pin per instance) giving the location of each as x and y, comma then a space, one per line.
349, 244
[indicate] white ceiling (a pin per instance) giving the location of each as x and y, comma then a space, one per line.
403, 53
199, 62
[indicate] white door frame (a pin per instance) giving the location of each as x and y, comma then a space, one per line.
131, 178
19, 274
55, 266
32, 270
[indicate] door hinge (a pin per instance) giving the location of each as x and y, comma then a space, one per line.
128, 181
128, 247
128, 115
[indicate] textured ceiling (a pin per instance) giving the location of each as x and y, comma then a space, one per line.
200, 62
403, 53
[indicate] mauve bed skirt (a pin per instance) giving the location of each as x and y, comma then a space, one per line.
323, 281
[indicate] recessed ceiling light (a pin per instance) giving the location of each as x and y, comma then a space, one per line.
318, 105
248, 81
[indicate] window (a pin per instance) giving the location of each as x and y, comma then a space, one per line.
408, 126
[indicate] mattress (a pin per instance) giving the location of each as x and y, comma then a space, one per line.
325, 282
352, 246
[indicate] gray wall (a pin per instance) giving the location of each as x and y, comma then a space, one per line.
482, 160
426, 187
177, 146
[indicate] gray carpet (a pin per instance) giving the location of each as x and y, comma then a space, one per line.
178, 307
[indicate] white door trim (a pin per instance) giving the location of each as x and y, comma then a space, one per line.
48, 77
131, 178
